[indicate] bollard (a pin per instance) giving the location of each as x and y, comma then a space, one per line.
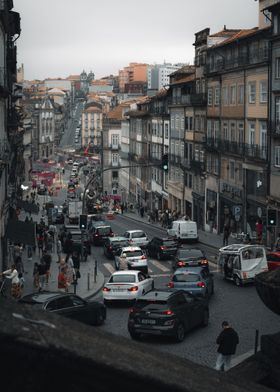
256, 341
88, 281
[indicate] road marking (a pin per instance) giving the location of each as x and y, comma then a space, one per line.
109, 267
159, 265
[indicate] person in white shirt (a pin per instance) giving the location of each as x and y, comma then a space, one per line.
12, 274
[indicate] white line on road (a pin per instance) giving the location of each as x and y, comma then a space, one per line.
109, 267
159, 265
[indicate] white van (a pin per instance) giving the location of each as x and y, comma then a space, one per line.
184, 230
241, 263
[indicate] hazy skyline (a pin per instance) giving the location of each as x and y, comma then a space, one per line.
63, 37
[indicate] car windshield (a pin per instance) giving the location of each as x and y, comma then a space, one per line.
104, 230
122, 279
188, 253
133, 253
141, 303
138, 234
186, 278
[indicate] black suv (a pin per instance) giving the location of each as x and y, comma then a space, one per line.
162, 248
112, 244
190, 257
169, 313
99, 231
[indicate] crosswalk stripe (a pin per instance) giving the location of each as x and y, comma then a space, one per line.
159, 265
109, 267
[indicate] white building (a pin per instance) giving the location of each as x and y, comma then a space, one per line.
158, 75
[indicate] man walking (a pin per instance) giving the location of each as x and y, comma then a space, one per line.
227, 340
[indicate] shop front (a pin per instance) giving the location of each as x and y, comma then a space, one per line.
198, 210
231, 211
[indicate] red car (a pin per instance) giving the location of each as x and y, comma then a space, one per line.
273, 260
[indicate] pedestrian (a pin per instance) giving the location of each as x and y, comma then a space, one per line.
69, 270
259, 230
19, 266
36, 279
142, 211
76, 263
58, 249
226, 235
42, 274
12, 273
61, 281
47, 259
227, 340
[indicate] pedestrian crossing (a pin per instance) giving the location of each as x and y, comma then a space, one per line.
156, 268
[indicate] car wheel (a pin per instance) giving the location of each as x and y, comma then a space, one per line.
205, 319
158, 256
135, 335
180, 333
237, 281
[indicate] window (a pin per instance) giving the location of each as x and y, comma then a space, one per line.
209, 129
231, 170
217, 96
252, 92
240, 173
210, 97
277, 156
232, 95
277, 68
225, 95
166, 131
225, 131
232, 132
240, 97
252, 132
263, 91
240, 137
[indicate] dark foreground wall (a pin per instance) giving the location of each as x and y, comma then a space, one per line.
48, 352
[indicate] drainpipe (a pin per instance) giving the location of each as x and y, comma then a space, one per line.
244, 170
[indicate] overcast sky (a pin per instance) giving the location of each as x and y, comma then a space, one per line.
63, 37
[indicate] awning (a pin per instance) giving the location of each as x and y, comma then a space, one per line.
21, 232
28, 206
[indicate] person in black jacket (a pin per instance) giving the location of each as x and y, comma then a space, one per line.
227, 340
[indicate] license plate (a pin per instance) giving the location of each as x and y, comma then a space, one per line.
118, 290
148, 321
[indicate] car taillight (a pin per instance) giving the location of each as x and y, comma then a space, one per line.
143, 258
200, 284
204, 262
171, 285
181, 263
167, 312
106, 289
134, 288
130, 241
163, 247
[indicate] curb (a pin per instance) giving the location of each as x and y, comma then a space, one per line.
97, 290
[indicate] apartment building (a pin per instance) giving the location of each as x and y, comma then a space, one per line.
91, 125
134, 72
236, 140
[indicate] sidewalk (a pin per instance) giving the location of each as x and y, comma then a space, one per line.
209, 239
90, 283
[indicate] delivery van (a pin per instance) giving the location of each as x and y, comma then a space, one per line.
183, 230
241, 263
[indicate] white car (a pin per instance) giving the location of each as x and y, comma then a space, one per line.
137, 238
126, 286
133, 257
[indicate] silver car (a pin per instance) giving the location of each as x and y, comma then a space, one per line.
137, 238
131, 257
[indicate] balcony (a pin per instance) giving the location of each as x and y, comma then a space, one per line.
197, 166
115, 146
199, 99
181, 100
275, 128
254, 151
175, 159
213, 144
185, 164
223, 64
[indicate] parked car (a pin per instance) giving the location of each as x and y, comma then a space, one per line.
167, 312
162, 248
273, 260
189, 257
133, 256
195, 280
99, 231
68, 305
137, 238
126, 286
112, 244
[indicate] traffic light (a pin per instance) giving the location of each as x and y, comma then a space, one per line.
271, 217
164, 163
83, 222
